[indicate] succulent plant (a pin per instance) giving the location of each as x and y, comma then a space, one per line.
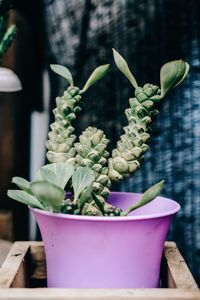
132, 145
47, 192
91, 149
87, 161
6, 34
61, 140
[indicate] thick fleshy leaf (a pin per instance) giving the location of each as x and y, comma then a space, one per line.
123, 67
187, 68
172, 74
51, 196
64, 72
56, 173
25, 198
147, 197
22, 184
81, 179
96, 75
99, 203
86, 197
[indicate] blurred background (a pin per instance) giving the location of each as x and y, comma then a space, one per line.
80, 34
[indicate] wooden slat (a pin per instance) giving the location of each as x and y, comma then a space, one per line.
5, 247
13, 267
20, 253
39, 261
98, 294
179, 276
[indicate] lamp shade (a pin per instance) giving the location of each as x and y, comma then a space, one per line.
9, 81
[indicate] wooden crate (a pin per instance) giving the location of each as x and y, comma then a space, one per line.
23, 276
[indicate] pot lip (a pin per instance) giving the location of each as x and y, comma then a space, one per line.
113, 219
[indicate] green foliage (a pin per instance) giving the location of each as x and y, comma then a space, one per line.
22, 184
50, 195
147, 197
172, 74
57, 174
123, 67
132, 145
96, 75
92, 152
85, 197
86, 166
63, 72
47, 191
7, 34
7, 39
82, 178
25, 198
61, 138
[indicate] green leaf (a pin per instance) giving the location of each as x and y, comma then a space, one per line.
22, 184
25, 198
81, 179
50, 195
172, 74
96, 75
86, 197
63, 72
99, 203
56, 173
147, 197
123, 67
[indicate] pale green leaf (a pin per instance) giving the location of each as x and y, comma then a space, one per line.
187, 68
51, 196
172, 74
56, 173
81, 179
63, 72
86, 197
96, 75
25, 198
147, 197
123, 67
22, 184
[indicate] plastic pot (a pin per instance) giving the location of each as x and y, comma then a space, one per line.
107, 252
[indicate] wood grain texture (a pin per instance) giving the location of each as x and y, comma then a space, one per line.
39, 261
98, 294
13, 267
179, 276
16, 270
5, 247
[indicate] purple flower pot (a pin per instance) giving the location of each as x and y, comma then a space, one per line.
107, 252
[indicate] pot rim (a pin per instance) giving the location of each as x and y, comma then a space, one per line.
114, 218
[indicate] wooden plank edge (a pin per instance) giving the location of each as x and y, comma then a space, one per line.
179, 275
98, 294
12, 263
38, 261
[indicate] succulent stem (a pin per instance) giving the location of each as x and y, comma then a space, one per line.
61, 137
126, 158
91, 152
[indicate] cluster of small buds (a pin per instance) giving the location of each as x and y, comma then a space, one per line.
111, 211
132, 145
91, 152
69, 207
61, 138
